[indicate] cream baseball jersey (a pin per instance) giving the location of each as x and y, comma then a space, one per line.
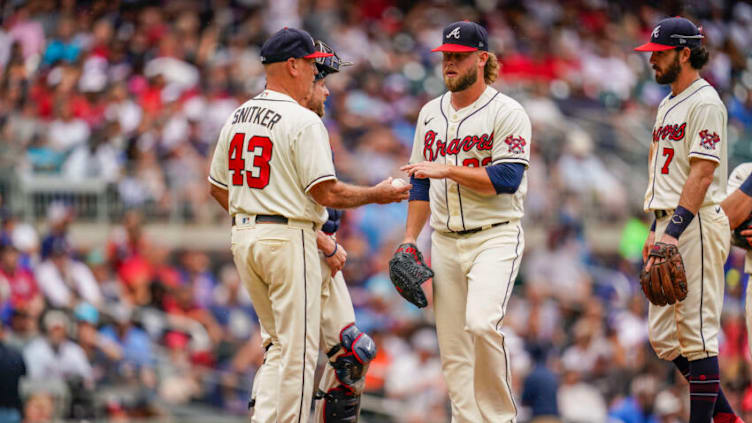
494, 129
689, 125
270, 152
735, 180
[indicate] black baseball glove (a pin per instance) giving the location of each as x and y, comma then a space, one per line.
408, 271
740, 240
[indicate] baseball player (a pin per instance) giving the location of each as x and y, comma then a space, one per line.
468, 167
738, 208
348, 349
272, 170
687, 182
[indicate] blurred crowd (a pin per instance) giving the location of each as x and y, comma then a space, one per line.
133, 93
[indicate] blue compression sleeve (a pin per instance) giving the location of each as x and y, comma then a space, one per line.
506, 177
419, 191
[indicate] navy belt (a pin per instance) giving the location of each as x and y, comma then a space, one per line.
474, 230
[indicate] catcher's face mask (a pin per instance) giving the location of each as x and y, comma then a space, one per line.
329, 64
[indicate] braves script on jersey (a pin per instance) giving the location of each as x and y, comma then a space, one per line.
494, 129
689, 125
269, 154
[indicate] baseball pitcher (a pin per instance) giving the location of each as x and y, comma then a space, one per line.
468, 167
689, 241
272, 170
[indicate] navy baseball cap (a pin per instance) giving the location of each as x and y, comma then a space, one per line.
463, 37
287, 43
672, 33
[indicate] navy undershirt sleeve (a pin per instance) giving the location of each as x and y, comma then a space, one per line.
419, 191
506, 177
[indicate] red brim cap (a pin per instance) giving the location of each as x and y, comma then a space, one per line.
653, 47
455, 48
317, 54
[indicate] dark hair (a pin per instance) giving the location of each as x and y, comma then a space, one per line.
698, 57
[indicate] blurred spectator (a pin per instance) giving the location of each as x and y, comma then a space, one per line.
62, 47
24, 292
59, 218
582, 172
64, 280
638, 407
55, 357
137, 357
539, 392
415, 377
12, 368
100, 350
667, 407
580, 401
40, 408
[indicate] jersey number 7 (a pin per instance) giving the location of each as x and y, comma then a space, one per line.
669, 153
260, 161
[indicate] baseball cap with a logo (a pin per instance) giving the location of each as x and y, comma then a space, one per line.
672, 33
463, 37
287, 43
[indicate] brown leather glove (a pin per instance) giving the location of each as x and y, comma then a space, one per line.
666, 282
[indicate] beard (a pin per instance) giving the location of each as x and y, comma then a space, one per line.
318, 109
671, 73
461, 82
314, 105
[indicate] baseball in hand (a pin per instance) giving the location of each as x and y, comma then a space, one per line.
398, 182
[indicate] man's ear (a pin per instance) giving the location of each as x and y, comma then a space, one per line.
483, 58
292, 66
684, 55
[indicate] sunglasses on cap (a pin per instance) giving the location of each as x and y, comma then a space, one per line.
329, 64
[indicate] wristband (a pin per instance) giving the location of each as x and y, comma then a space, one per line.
679, 222
746, 186
333, 251
652, 227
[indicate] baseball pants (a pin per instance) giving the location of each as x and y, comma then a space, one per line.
474, 275
690, 328
279, 266
336, 313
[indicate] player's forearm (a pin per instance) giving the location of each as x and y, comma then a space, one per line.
221, 195
474, 178
345, 196
417, 215
737, 206
700, 178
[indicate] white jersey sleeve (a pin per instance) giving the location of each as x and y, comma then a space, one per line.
738, 176
706, 141
219, 169
512, 134
313, 156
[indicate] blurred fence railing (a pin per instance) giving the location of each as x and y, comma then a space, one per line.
36, 193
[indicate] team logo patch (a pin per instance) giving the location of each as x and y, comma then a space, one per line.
454, 33
709, 140
516, 144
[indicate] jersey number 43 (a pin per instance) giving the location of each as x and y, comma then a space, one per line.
261, 149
